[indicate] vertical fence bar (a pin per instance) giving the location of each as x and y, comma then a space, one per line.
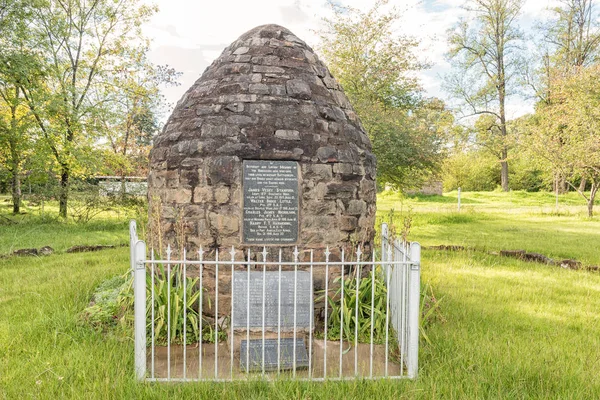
152, 312
217, 313
140, 309
403, 293
402, 329
248, 317
169, 312
295, 307
184, 322
342, 314
358, 254
264, 300
133, 238
413, 311
200, 314
387, 310
384, 242
231, 320
373, 266
312, 310
327, 253
279, 319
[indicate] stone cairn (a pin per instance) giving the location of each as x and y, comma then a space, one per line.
267, 97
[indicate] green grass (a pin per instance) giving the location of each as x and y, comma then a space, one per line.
511, 329
501, 221
34, 229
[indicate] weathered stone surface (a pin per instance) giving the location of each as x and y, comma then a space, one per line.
267, 97
298, 88
287, 134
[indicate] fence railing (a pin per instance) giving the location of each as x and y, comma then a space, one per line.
277, 312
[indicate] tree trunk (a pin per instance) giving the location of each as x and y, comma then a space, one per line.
123, 190
16, 190
504, 174
560, 184
592, 198
15, 159
64, 192
582, 185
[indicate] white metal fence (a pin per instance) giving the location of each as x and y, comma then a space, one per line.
314, 316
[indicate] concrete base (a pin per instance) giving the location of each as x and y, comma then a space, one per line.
224, 370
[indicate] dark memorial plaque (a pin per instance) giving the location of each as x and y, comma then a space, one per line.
270, 202
242, 309
286, 354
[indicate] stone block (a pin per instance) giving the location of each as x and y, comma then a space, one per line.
223, 170
239, 119
356, 207
327, 154
241, 50
222, 194
340, 191
347, 223
203, 194
235, 107
233, 98
178, 196
278, 90
318, 172
298, 88
342, 168
287, 134
224, 224
218, 131
258, 88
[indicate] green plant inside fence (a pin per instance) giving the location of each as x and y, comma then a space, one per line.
370, 313
183, 309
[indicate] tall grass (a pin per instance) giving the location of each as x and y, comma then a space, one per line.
510, 329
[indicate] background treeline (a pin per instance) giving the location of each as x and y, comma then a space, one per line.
78, 96
473, 143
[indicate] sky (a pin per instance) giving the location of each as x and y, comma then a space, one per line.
189, 34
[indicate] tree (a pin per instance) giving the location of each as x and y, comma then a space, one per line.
80, 43
570, 40
134, 106
485, 54
565, 132
376, 66
15, 120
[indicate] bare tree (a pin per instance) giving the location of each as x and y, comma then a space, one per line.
485, 53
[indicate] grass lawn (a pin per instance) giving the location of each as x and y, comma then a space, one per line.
510, 329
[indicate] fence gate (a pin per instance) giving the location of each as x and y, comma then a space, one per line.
276, 313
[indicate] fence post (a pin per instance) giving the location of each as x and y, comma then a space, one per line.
414, 293
139, 293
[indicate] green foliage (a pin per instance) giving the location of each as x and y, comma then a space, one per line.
564, 132
170, 289
369, 314
106, 307
526, 175
471, 171
511, 328
485, 56
376, 65
429, 311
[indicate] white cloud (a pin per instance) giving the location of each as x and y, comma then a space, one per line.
189, 35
